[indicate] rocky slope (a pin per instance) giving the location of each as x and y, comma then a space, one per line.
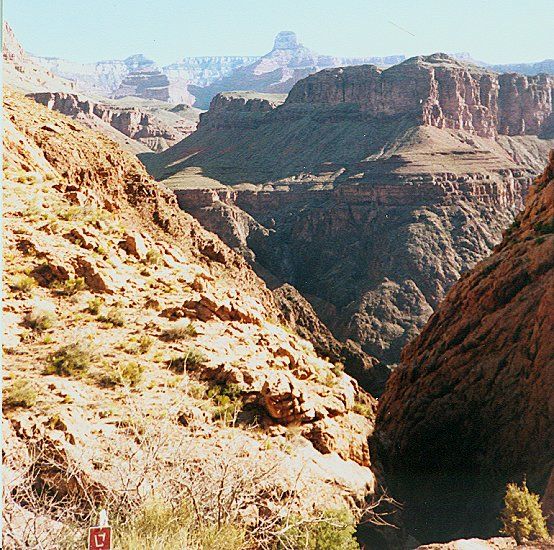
152, 125
279, 70
21, 72
371, 204
140, 125
143, 358
470, 408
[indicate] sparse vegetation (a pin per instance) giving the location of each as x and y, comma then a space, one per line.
364, 410
39, 319
123, 374
544, 228
159, 525
334, 530
20, 393
153, 257
23, 283
192, 358
145, 343
114, 316
69, 360
71, 286
227, 401
522, 517
179, 331
94, 305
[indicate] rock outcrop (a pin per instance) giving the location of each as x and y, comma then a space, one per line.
470, 408
20, 71
144, 125
366, 206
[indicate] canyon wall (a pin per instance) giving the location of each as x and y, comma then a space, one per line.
369, 191
142, 125
470, 408
441, 91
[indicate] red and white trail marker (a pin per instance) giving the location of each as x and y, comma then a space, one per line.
100, 538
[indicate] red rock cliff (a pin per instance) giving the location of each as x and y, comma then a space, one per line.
473, 396
440, 91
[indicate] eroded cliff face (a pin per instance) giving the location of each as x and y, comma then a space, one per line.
441, 92
347, 192
145, 126
470, 408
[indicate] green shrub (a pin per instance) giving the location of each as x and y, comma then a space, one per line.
334, 531
227, 401
153, 257
191, 359
20, 393
69, 360
179, 331
24, 283
39, 320
545, 228
364, 410
94, 305
124, 374
226, 408
114, 316
71, 286
145, 343
159, 526
522, 516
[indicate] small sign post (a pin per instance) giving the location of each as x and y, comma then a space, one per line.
100, 537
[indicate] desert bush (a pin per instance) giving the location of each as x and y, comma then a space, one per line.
71, 286
69, 360
114, 316
39, 319
192, 358
179, 331
364, 410
94, 305
153, 257
159, 525
226, 398
20, 393
522, 517
28, 177
23, 282
123, 374
334, 529
145, 343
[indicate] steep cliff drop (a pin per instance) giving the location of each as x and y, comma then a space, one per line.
370, 191
471, 406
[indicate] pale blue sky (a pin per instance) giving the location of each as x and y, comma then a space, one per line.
497, 31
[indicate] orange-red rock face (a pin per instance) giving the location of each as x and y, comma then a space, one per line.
441, 92
473, 397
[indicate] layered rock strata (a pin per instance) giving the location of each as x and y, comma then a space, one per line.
470, 408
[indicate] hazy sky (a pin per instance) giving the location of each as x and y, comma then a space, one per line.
496, 31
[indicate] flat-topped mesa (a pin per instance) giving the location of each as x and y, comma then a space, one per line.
439, 91
147, 82
239, 108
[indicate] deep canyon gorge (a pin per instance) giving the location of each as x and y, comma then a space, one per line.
300, 297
